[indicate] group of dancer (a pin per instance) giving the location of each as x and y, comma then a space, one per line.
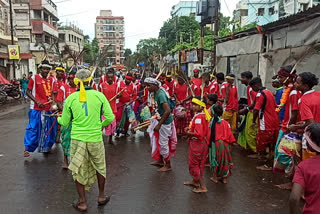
206, 109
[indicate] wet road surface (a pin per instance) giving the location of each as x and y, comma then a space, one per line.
39, 185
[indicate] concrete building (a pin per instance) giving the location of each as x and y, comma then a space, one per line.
185, 8
44, 34
23, 32
290, 7
5, 38
260, 11
72, 37
109, 31
284, 42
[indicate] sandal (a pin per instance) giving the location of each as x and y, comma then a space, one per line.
104, 202
26, 154
76, 206
264, 168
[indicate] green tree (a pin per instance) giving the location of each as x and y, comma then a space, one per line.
179, 29
93, 50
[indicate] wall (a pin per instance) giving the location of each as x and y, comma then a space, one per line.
266, 18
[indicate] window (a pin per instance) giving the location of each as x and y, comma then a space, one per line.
39, 37
46, 17
304, 7
244, 12
260, 12
47, 39
62, 37
271, 11
37, 14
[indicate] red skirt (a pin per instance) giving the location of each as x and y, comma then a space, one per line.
266, 138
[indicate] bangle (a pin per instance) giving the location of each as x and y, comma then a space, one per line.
248, 108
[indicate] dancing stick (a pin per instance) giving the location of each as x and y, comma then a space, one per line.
141, 127
48, 102
116, 95
141, 124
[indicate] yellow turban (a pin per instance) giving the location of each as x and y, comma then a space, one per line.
83, 97
202, 104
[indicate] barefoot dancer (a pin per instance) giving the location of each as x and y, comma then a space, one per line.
265, 110
64, 92
40, 130
110, 90
87, 155
219, 150
198, 144
162, 132
286, 158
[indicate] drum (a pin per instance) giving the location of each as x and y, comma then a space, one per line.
180, 112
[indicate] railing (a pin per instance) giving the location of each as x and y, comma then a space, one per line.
52, 4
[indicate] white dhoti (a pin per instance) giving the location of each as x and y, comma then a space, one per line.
163, 143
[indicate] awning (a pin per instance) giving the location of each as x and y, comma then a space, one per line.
3, 80
26, 55
22, 56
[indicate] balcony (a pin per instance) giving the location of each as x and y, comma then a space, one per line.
40, 26
38, 46
50, 6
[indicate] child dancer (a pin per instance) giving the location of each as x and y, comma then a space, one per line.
198, 144
219, 150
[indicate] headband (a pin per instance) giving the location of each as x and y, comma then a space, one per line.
312, 144
169, 76
202, 104
285, 73
83, 97
60, 69
45, 66
213, 76
129, 77
229, 77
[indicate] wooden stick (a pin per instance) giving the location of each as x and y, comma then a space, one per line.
116, 95
48, 102
144, 123
141, 127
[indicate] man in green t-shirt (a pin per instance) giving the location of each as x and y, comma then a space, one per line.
84, 109
24, 86
162, 132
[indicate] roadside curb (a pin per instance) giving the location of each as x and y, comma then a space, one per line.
14, 109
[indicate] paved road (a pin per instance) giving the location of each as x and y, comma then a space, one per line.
39, 185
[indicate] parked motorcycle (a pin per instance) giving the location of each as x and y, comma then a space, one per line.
3, 96
12, 90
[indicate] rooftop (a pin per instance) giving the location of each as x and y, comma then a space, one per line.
300, 17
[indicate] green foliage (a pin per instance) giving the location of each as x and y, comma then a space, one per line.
93, 50
179, 29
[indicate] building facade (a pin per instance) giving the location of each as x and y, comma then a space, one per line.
259, 11
185, 8
290, 7
266, 11
44, 30
73, 38
109, 31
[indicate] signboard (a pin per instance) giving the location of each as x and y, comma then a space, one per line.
13, 51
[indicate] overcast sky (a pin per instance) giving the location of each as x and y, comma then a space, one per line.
143, 18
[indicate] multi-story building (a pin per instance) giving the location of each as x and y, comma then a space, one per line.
260, 11
109, 31
73, 38
44, 34
265, 11
185, 8
290, 7
23, 32
5, 38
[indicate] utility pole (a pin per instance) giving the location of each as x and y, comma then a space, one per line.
12, 39
216, 34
